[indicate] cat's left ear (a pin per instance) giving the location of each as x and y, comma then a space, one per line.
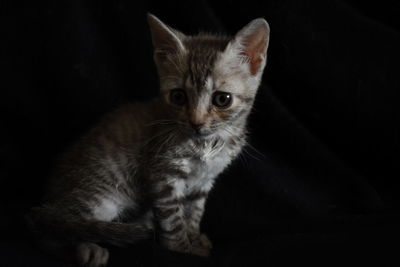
251, 42
166, 40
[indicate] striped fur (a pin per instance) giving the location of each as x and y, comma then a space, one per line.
144, 170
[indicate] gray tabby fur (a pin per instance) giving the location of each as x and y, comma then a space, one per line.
143, 169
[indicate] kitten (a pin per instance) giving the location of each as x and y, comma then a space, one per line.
148, 167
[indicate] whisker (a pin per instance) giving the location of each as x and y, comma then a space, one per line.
251, 155
160, 122
255, 150
243, 160
160, 134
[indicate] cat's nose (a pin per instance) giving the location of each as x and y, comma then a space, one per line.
197, 126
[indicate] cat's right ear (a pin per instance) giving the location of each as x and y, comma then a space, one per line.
165, 39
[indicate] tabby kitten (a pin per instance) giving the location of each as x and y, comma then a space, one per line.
148, 167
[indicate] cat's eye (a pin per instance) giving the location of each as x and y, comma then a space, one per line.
222, 99
177, 97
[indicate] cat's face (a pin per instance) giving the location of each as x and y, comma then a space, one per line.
209, 82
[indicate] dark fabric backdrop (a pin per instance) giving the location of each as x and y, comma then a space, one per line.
317, 186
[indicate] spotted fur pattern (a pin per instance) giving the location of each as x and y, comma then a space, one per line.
143, 169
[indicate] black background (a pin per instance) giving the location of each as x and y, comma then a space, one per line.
319, 186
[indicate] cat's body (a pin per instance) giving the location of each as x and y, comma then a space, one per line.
148, 167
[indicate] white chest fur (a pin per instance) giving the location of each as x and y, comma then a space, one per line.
202, 171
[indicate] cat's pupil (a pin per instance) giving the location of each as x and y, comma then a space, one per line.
222, 99
178, 97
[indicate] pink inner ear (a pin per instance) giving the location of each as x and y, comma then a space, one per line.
255, 47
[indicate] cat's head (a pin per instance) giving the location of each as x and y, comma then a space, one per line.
209, 82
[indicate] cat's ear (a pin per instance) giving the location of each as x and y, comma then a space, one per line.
165, 39
251, 43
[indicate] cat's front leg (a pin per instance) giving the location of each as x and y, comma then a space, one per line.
194, 209
168, 210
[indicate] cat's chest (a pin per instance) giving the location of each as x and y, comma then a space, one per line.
202, 171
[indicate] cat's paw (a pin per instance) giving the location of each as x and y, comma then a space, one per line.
201, 241
185, 246
200, 251
92, 255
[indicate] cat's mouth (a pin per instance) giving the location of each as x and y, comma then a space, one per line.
198, 133
201, 135
204, 134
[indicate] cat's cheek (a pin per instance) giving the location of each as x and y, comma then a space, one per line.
175, 112
222, 114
